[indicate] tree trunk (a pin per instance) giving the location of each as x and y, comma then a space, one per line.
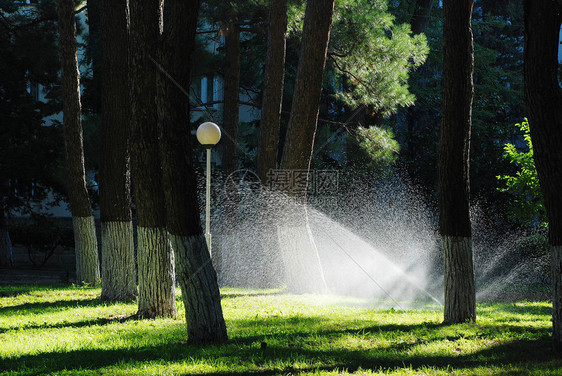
6, 251
155, 255
157, 295
94, 47
543, 98
420, 18
273, 90
119, 272
119, 280
200, 290
457, 258
303, 271
231, 96
454, 162
230, 219
268, 144
196, 275
86, 247
299, 142
420, 21
297, 151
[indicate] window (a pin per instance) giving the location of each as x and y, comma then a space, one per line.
33, 90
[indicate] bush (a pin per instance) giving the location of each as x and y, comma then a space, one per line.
41, 236
527, 205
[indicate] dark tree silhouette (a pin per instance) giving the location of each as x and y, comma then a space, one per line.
93, 89
273, 89
86, 244
119, 280
543, 98
196, 276
231, 94
155, 256
454, 151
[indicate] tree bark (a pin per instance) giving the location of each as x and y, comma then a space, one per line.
196, 275
420, 21
155, 255
6, 251
231, 96
157, 295
420, 18
457, 258
119, 280
543, 98
299, 144
94, 42
86, 247
273, 90
268, 144
454, 162
119, 272
229, 140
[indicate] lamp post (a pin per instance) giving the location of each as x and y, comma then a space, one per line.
208, 135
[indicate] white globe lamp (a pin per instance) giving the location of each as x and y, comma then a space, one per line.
208, 134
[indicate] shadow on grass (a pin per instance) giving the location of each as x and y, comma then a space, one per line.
427, 332
12, 291
77, 324
535, 354
43, 307
294, 345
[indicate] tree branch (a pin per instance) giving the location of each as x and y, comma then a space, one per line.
214, 31
359, 80
40, 20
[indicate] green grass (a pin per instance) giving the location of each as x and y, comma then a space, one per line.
68, 330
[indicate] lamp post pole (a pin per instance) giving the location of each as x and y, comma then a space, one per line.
208, 201
208, 134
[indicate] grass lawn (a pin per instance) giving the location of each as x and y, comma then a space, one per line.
68, 330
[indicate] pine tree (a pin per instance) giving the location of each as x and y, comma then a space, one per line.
196, 275
303, 270
156, 271
268, 147
86, 244
543, 97
454, 162
119, 279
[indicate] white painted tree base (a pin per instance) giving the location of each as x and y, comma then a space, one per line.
157, 294
460, 292
303, 271
119, 276
86, 248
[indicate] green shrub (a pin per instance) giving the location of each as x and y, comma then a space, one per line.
527, 204
41, 235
